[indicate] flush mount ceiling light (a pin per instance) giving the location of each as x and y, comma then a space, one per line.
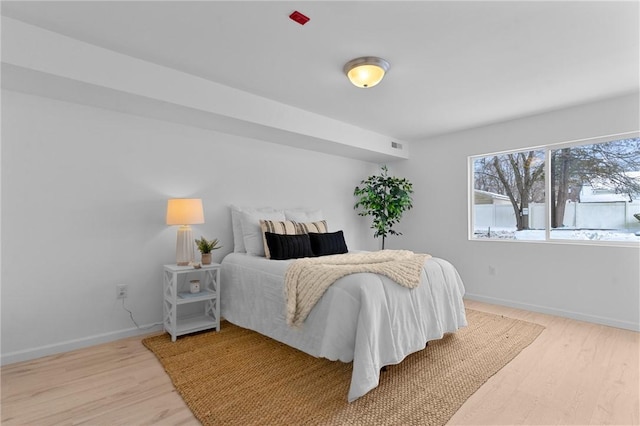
367, 71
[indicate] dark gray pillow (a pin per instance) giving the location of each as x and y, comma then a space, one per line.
284, 247
328, 243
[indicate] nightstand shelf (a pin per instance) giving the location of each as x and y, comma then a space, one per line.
179, 303
188, 297
191, 324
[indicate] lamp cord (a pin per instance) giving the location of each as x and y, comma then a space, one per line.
134, 321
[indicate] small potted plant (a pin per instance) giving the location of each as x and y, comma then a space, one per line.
206, 247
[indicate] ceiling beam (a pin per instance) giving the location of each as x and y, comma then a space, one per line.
42, 62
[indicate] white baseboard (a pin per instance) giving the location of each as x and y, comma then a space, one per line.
70, 345
612, 322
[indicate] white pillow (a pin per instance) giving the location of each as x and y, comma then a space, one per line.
304, 215
236, 224
251, 231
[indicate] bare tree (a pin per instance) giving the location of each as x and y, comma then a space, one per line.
606, 164
519, 176
519, 173
560, 162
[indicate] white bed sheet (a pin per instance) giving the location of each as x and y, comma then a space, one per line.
364, 318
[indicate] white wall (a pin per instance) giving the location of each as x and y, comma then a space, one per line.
593, 283
84, 194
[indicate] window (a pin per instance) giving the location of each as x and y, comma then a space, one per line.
577, 191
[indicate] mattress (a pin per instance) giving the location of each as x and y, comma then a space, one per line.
362, 318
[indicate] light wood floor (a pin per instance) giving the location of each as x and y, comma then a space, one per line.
574, 373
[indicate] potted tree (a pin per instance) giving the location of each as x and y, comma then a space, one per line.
206, 247
385, 198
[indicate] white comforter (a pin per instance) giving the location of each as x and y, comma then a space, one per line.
364, 318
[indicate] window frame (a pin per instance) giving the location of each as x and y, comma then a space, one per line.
547, 186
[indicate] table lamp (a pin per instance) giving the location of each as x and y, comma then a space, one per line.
185, 212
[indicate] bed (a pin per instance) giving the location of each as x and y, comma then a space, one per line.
365, 318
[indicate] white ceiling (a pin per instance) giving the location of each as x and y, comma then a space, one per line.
454, 65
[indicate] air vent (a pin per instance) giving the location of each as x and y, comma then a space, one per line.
396, 145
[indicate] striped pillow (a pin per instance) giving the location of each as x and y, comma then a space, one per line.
319, 227
289, 227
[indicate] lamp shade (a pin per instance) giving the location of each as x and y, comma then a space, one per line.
367, 71
184, 211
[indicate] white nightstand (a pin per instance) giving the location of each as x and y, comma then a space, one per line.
177, 297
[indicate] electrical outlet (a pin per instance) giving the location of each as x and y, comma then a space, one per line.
122, 291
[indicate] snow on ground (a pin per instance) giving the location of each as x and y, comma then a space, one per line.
560, 234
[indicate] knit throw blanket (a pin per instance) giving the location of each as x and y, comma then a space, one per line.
307, 279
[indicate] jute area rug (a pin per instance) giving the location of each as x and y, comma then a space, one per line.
239, 377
